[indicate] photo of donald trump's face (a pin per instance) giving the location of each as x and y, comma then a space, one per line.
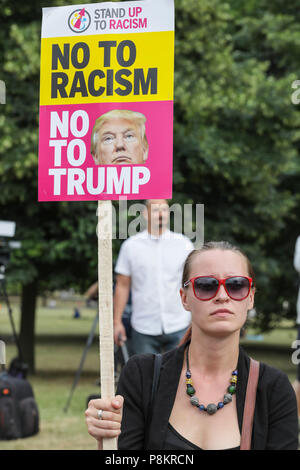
119, 138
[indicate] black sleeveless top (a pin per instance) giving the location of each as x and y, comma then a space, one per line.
174, 441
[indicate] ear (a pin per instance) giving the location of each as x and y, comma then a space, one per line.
184, 299
145, 153
95, 159
251, 298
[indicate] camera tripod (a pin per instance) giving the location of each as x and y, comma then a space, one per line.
121, 356
17, 367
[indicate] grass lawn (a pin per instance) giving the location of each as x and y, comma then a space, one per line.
60, 343
274, 347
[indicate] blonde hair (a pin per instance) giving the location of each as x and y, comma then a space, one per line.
135, 116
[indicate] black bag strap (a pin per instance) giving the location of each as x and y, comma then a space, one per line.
156, 374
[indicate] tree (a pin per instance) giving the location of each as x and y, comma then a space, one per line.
236, 148
236, 135
59, 243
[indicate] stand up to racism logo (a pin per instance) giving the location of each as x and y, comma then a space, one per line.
79, 20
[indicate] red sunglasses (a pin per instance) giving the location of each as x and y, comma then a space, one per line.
207, 287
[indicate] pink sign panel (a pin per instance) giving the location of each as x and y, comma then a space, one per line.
106, 101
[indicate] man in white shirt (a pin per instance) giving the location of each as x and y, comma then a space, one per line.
150, 264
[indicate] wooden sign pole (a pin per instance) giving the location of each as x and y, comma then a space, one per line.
105, 291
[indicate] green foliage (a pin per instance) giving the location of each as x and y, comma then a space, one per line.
236, 134
236, 144
59, 246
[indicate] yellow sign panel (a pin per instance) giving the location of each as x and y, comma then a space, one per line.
112, 68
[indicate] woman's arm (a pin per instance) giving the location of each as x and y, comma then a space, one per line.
124, 415
283, 419
135, 385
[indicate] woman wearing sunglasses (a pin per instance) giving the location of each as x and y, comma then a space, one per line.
200, 396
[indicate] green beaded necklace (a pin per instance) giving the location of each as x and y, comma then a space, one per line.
211, 408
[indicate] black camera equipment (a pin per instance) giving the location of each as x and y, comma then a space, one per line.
17, 368
19, 414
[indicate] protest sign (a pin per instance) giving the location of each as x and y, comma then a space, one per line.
106, 121
106, 101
